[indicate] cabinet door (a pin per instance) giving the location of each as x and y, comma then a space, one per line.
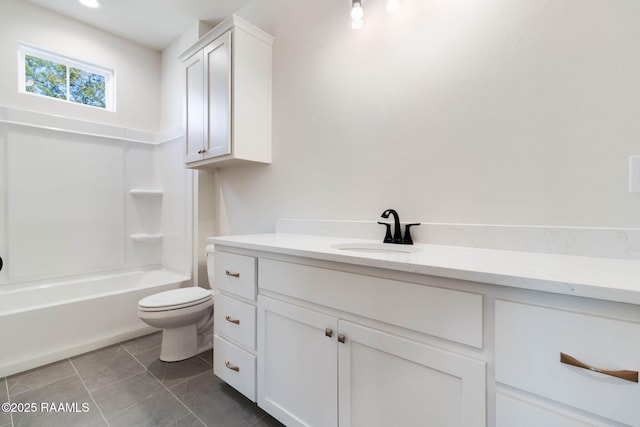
217, 56
194, 105
297, 364
385, 380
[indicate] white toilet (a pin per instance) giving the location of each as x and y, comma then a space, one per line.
186, 317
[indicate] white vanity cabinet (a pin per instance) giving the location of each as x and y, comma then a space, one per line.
320, 368
530, 342
360, 341
234, 327
227, 90
297, 364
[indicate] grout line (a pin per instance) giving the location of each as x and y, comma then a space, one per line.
118, 382
207, 361
6, 385
166, 388
39, 385
90, 395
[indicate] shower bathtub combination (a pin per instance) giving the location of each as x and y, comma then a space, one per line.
46, 322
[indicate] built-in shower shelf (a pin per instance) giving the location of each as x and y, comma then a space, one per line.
141, 237
145, 193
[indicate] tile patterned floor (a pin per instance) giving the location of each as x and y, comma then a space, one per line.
128, 385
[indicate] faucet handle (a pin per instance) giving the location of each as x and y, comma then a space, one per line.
407, 234
387, 236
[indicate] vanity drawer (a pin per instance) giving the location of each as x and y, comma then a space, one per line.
235, 274
511, 411
235, 366
530, 340
235, 320
445, 313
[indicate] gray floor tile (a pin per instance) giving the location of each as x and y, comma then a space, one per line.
144, 343
39, 377
5, 417
68, 391
215, 403
207, 356
189, 421
172, 373
267, 421
119, 396
159, 409
106, 366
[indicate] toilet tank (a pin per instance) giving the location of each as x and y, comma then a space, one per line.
209, 254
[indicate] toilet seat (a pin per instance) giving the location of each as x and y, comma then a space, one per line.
175, 299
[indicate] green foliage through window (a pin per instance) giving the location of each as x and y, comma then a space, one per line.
65, 79
45, 77
87, 88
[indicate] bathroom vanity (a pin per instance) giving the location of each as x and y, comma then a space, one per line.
326, 331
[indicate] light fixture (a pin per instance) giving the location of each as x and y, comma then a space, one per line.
356, 25
392, 5
357, 13
356, 10
90, 3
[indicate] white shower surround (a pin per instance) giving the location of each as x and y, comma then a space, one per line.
49, 321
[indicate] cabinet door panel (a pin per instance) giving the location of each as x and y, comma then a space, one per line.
385, 380
218, 59
194, 102
297, 364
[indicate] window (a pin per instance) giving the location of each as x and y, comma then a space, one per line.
48, 74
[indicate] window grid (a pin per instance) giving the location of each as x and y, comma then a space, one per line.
105, 100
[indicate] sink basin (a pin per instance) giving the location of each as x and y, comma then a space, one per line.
376, 248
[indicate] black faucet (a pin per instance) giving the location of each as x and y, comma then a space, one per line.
397, 233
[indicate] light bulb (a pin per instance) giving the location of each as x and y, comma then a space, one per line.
356, 11
392, 5
356, 24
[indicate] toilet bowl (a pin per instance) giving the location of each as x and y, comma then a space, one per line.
182, 314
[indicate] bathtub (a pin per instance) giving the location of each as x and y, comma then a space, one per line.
46, 322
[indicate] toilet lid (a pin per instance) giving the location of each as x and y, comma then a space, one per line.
176, 297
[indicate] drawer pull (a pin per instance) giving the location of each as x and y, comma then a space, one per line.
341, 338
228, 273
229, 319
328, 332
230, 366
625, 375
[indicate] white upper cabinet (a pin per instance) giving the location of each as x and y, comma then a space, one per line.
227, 91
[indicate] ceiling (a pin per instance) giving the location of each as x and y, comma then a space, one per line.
152, 23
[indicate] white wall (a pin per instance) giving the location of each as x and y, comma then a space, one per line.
137, 67
469, 111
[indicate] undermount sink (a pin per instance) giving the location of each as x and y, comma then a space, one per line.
376, 248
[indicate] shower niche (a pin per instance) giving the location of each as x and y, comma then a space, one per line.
148, 204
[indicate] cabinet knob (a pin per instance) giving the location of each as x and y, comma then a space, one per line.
625, 375
328, 332
200, 151
228, 273
230, 366
341, 338
230, 320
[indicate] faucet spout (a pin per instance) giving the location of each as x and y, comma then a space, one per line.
397, 233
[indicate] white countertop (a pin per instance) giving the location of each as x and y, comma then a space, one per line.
600, 278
